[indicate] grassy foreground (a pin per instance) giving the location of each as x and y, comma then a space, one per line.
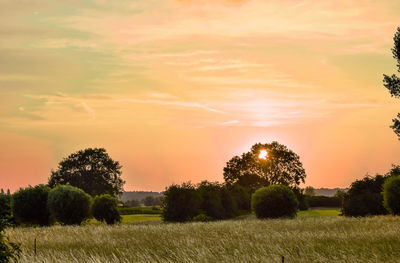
304, 239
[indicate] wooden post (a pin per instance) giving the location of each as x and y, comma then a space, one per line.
283, 259
35, 247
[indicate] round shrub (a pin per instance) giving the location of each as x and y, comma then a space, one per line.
29, 205
105, 209
9, 251
391, 195
69, 205
274, 201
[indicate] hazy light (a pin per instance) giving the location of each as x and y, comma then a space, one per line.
263, 155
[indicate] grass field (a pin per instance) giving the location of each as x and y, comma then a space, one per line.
304, 239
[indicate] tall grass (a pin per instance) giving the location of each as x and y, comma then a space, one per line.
304, 239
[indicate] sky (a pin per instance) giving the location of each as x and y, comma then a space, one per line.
174, 89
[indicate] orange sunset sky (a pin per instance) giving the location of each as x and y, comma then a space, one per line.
173, 89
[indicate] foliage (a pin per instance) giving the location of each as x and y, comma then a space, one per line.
282, 166
324, 201
181, 203
309, 190
391, 195
274, 201
9, 251
202, 218
364, 197
132, 203
70, 205
105, 209
301, 197
91, 170
392, 83
5, 207
240, 196
29, 205
152, 200
151, 210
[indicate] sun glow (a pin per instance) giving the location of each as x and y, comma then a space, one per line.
263, 155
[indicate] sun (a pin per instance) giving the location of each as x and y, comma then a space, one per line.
263, 155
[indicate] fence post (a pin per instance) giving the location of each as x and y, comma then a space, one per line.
35, 247
283, 259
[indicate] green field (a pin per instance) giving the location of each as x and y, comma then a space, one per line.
308, 238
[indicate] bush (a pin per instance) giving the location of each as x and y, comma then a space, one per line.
324, 201
364, 197
274, 201
202, 218
153, 210
391, 195
9, 252
181, 203
301, 197
29, 205
105, 209
70, 205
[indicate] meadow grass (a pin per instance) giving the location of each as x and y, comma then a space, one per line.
303, 239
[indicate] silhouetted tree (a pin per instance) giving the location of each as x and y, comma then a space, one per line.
392, 83
105, 209
181, 203
29, 205
364, 197
274, 201
91, 170
391, 195
70, 205
282, 166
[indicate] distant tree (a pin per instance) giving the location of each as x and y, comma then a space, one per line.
281, 166
105, 209
364, 197
148, 200
5, 206
274, 201
9, 251
2, 191
392, 83
391, 195
91, 170
309, 190
8, 192
29, 205
70, 205
157, 201
133, 203
301, 198
181, 203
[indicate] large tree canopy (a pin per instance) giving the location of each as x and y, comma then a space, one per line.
392, 83
91, 170
281, 166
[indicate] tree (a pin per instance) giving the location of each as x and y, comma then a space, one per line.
364, 197
148, 200
274, 201
132, 203
309, 190
392, 83
69, 205
181, 203
282, 166
29, 205
91, 170
104, 209
391, 195
9, 251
